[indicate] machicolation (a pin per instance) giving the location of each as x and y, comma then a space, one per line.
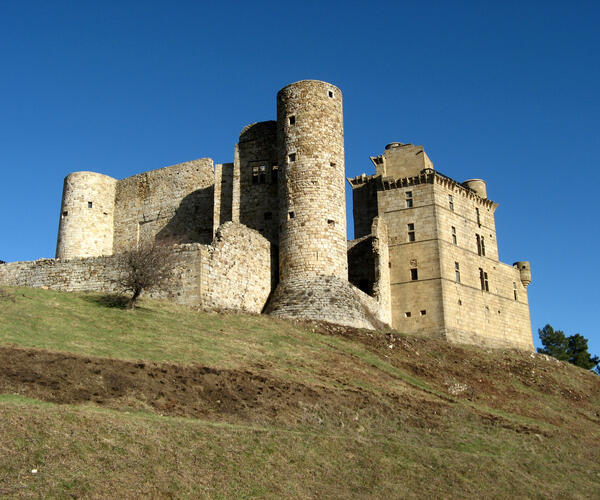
267, 233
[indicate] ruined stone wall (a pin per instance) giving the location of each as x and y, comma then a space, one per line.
223, 206
258, 181
86, 216
312, 198
364, 204
233, 273
174, 203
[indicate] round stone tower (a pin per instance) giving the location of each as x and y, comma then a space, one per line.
86, 216
310, 136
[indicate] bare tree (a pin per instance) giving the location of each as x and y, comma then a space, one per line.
144, 268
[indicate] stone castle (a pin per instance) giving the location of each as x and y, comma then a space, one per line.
267, 233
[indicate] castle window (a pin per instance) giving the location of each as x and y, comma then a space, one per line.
515, 289
459, 302
332, 164
457, 272
65, 213
330, 94
454, 235
478, 217
480, 244
89, 204
414, 274
483, 278
423, 312
451, 202
291, 215
292, 157
331, 222
411, 232
268, 215
292, 120
259, 174
274, 174
407, 314
409, 199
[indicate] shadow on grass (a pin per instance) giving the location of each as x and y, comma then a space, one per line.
112, 300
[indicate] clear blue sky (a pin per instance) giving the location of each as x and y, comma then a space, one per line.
507, 92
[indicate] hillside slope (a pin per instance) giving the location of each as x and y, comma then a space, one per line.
170, 402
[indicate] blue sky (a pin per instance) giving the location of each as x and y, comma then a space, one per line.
505, 92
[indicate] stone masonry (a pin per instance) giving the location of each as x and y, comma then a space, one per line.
267, 233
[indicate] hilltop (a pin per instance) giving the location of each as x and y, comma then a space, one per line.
172, 402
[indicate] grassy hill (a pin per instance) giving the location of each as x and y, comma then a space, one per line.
170, 402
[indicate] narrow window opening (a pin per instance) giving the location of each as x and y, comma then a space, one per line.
389, 265
414, 274
459, 302
478, 217
409, 199
292, 157
423, 312
292, 120
487, 309
451, 202
483, 278
482, 246
454, 235
330, 94
457, 272
411, 232
407, 314
291, 215
331, 222
515, 289
65, 213
89, 204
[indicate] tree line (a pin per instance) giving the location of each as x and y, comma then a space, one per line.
573, 348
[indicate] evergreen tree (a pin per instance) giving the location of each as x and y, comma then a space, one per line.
555, 343
573, 349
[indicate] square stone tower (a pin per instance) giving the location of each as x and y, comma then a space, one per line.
445, 275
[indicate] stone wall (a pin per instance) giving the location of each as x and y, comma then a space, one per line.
173, 203
233, 273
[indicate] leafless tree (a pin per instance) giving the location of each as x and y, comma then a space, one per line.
144, 268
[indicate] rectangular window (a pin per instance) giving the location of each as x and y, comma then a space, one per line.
483, 278
515, 289
292, 120
451, 202
411, 232
480, 245
414, 274
478, 217
454, 235
457, 272
423, 312
291, 215
409, 199
407, 314
292, 157
89, 204
259, 174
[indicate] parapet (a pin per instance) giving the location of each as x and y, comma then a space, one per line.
477, 185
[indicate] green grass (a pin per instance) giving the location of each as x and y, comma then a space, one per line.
519, 437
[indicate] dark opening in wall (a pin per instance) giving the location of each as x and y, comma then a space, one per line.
423, 312
65, 213
89, 204
292, 157
330, 93
414, 274
331, 222
332, 164
407, 314
291, 215
292, 120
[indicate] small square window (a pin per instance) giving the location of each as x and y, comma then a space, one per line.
292, 157
423, 312
89, 204
65, 213
330, 93
291, 215
292, 120
407, 314
414, 274
331, 222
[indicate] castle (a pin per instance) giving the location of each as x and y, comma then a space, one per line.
267, 233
